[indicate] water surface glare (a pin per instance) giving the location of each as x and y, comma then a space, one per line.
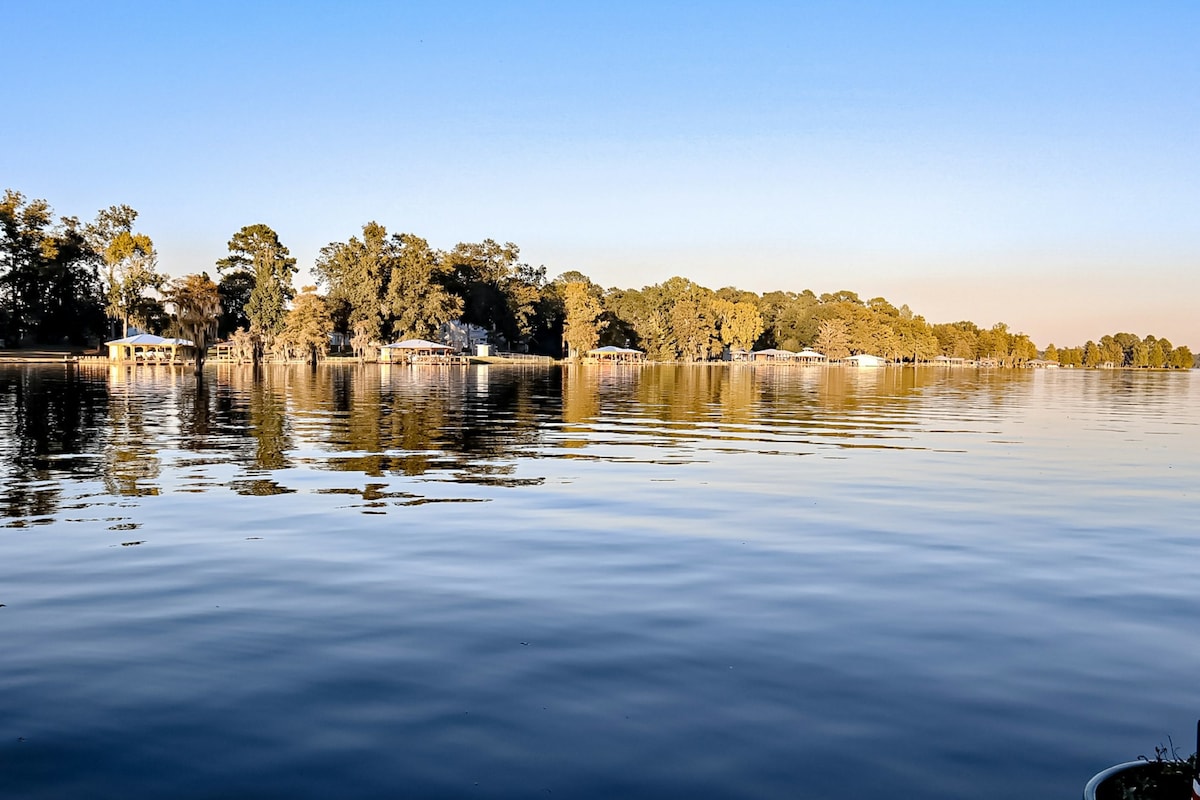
706, 582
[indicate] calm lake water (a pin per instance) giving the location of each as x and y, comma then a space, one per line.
704, 582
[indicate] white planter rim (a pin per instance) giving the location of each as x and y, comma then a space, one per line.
1089, 791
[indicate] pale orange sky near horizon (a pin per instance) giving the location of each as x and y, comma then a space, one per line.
1049, 303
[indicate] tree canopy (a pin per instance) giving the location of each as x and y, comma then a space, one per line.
59, 276
306, 329
390, 286
197, 304
256, 250
50, 287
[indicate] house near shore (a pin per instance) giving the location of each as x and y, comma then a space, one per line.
735, 354
864, 360
464, 337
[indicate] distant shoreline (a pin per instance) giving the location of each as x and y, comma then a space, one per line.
40, 355
67, 354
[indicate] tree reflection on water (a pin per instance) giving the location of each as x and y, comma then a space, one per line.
126, 431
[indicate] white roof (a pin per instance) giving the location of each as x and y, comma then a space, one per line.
148, 338
418, 344
810, 354
613, 349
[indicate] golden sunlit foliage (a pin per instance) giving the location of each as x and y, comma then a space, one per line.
57, 279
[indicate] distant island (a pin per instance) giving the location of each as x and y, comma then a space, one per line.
67, 281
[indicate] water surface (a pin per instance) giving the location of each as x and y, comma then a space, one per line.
716, 582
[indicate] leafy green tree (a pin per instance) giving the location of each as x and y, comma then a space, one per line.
686, 320
257, 249
885, 341
893, 332
24, 225
1112, 351
790, 320
499, 293
480, 272
832, 339
739, 323
72, 306
583, 310
523, 293
957, 339
843, 296
623, 309
916, 338
1126, 341
1021, 350
197, 303
736, 295
1071, 357
235, 289
645, 314
883, 308
550, 316
49, 285
1051, 353
307, 327
993, 343
417, 295
1156, 357
357, 272
131, 266
866, 332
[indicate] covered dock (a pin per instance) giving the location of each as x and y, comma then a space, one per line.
419, 351
146, 348
616, 355
772, 355
810, 357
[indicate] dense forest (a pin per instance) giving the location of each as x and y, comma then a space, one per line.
67, 281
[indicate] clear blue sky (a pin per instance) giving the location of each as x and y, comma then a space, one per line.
1036, 163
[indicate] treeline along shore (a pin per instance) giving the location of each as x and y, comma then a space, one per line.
65, 281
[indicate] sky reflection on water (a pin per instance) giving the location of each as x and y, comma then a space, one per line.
718, 581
